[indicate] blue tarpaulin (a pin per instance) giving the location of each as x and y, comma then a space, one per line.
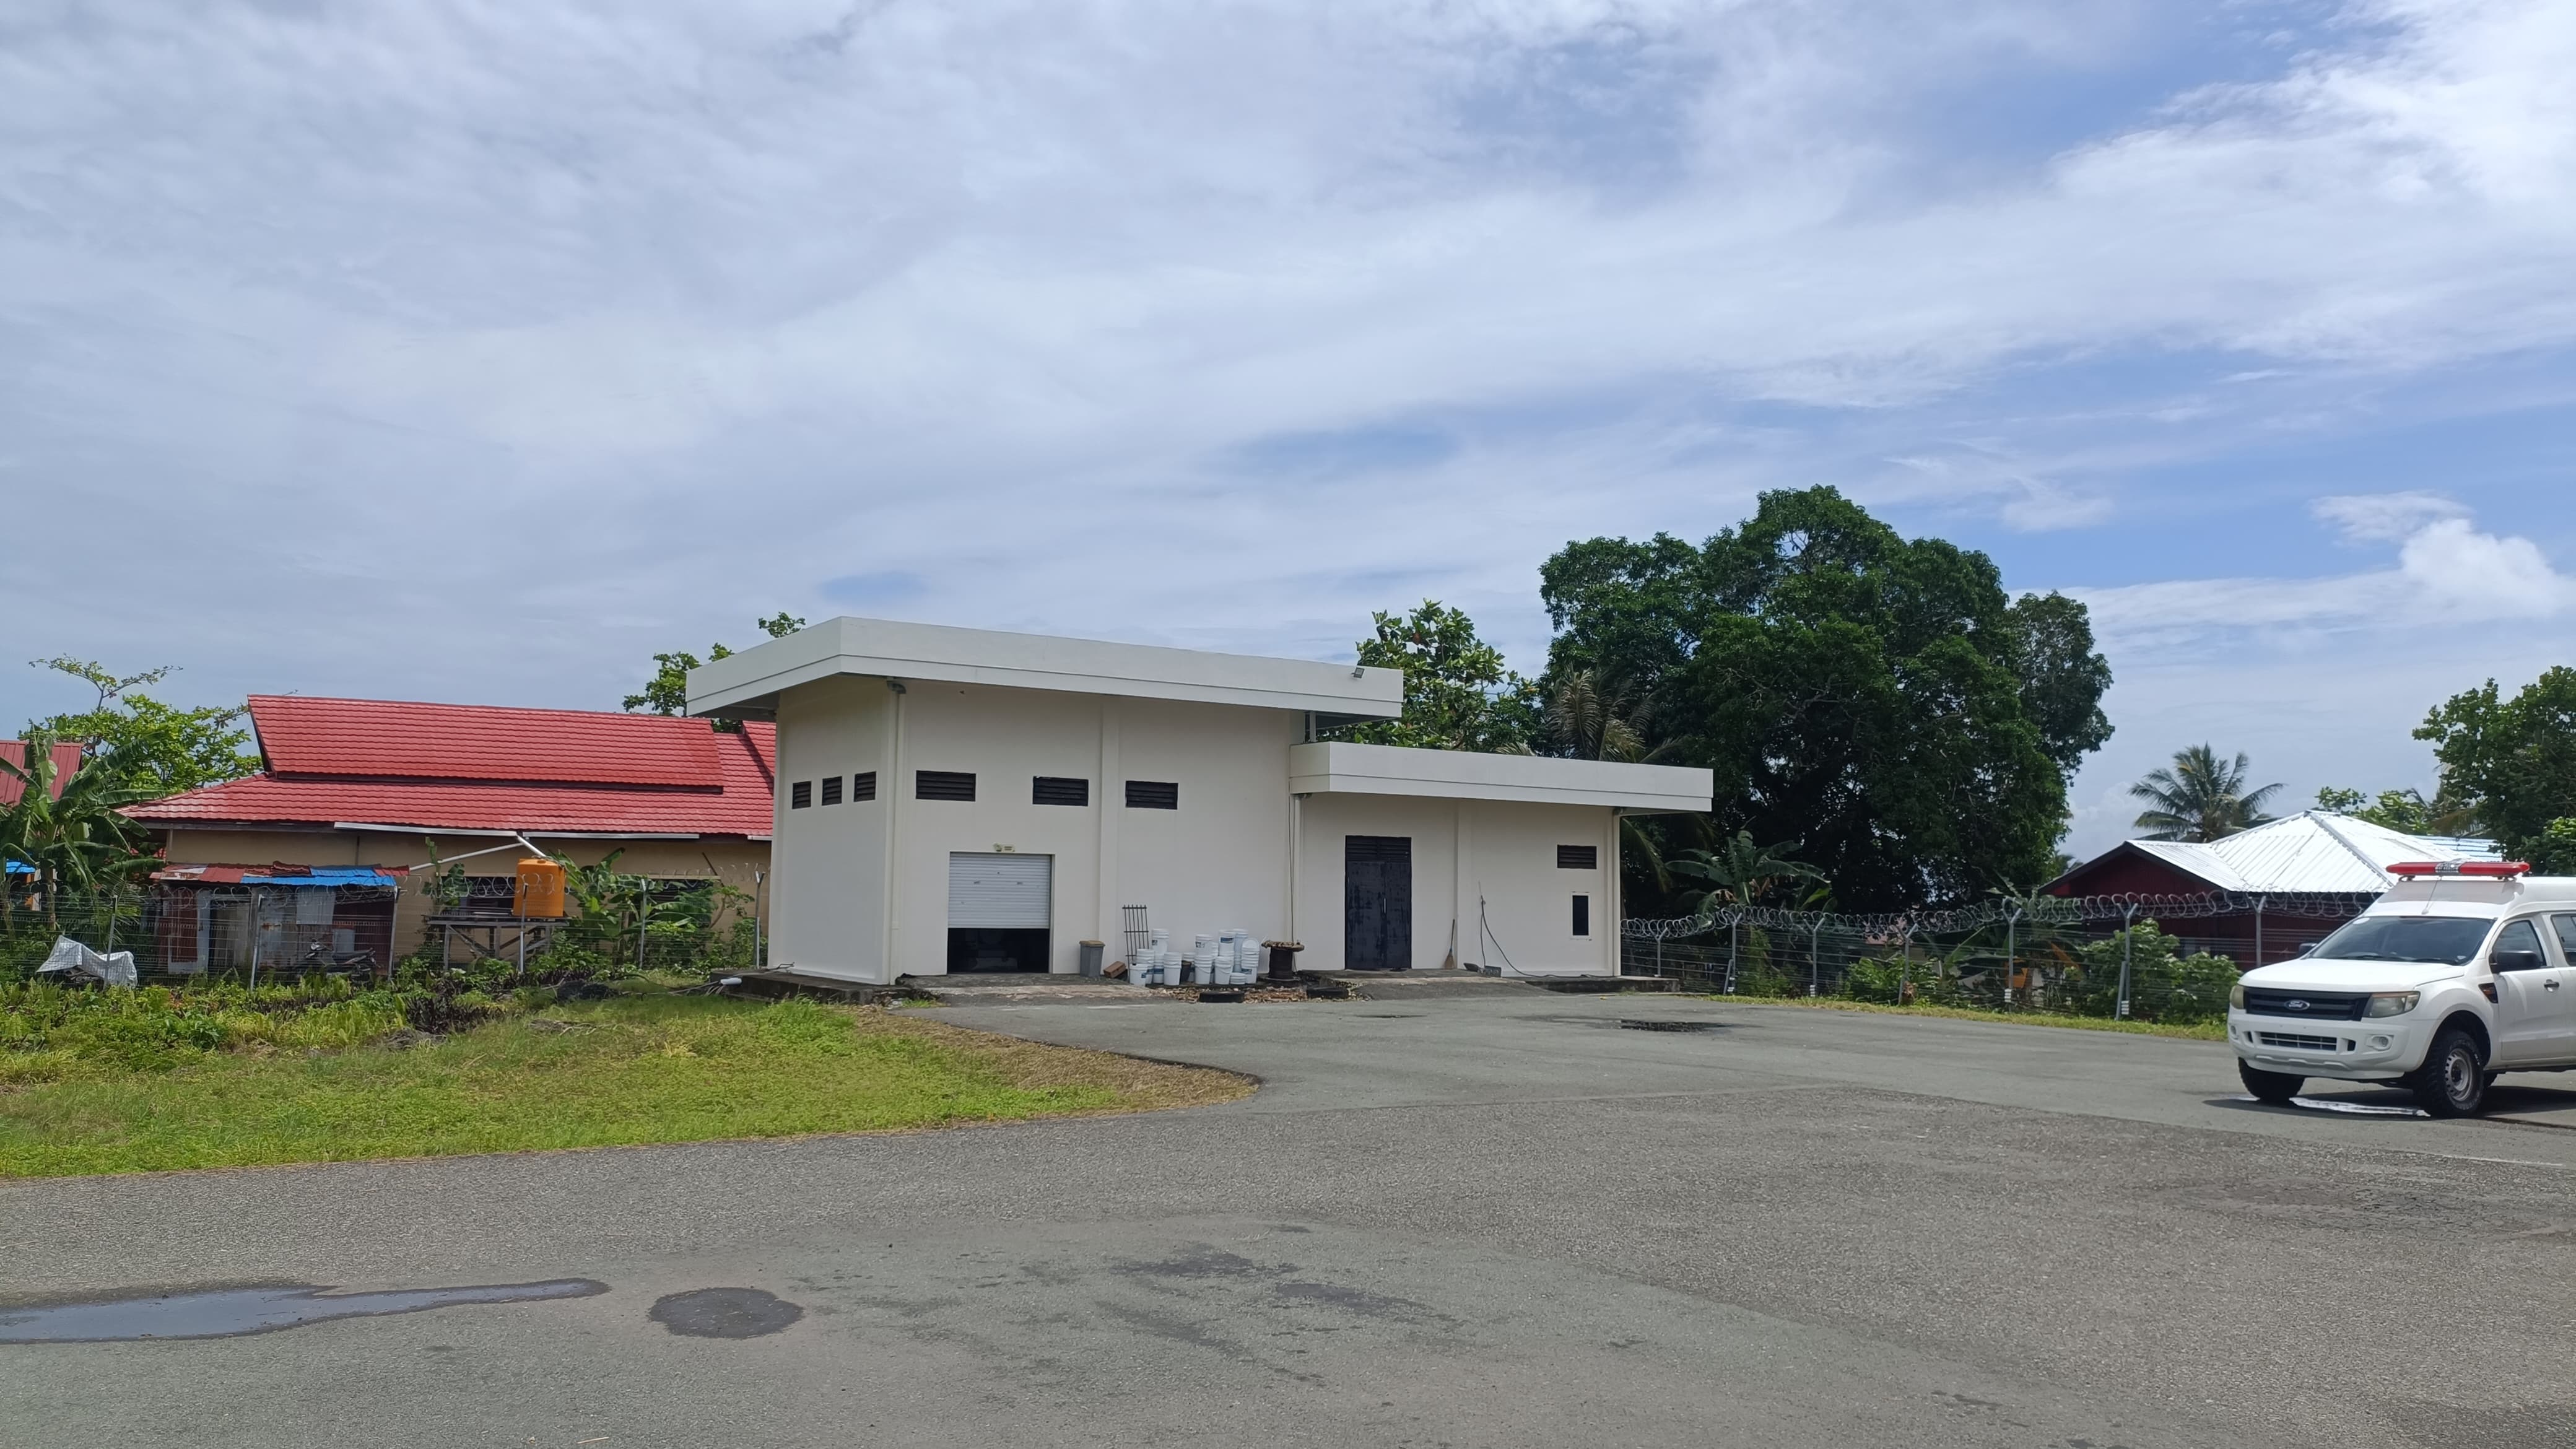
325, 877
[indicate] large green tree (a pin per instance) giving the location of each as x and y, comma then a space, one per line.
154, 748
667, 692
1458, 694
1880, 699
2510, 763
2402, 810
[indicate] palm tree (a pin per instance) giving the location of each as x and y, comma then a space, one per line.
2201, 797
1591, 718
72, 835
1742, 872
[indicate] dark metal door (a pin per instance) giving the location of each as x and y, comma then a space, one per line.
1377, 902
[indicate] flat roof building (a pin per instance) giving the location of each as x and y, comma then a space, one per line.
970, 800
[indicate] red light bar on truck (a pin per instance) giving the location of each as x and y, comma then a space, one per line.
2410, 869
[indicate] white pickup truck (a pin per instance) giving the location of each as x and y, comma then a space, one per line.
2463, 970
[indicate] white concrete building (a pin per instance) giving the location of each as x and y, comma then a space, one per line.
960, 799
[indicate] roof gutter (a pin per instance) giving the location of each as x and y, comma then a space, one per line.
521, 836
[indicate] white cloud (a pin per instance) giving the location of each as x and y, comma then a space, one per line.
2447, 573
2026, 501
577, 326
2385, 517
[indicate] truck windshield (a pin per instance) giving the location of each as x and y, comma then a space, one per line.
2449, 939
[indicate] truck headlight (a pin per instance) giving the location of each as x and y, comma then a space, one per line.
2236, 996
2393, 1003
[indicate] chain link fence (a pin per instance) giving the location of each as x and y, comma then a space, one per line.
2119, 957
258, 933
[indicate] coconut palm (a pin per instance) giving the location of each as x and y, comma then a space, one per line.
2200, 797
1592, 719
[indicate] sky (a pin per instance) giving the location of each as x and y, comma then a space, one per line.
478, 350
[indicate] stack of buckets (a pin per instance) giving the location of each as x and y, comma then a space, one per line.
1229, 958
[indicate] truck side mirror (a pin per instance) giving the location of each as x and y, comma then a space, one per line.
2517, 961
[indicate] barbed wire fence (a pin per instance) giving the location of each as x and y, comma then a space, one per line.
2170, 958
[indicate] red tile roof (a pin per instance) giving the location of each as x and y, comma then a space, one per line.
67, 758
476, 767
381, 737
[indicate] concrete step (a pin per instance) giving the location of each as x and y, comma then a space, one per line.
981, 989
771, 985
1426, 985
1601, 985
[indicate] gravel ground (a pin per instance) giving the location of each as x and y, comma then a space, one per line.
1511, 1222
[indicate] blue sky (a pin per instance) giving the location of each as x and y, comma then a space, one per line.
476, 351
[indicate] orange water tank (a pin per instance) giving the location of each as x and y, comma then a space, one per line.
541, 887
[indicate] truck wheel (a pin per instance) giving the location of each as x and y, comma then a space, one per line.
2453, 1080
2274, 1087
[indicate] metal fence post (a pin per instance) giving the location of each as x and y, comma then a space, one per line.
1905, 964
2128, 943
1815, 965
2012, 947
1734, 926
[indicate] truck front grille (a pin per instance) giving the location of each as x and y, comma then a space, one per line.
2306, 1005
2293, 1039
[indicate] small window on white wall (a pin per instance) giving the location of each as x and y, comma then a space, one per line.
1583, 915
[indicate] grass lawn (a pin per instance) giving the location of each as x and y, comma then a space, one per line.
2199, 1031
626, 1070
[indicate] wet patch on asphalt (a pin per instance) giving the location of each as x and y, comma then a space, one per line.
724, 1313
238, 1309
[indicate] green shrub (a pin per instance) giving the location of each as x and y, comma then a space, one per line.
2163, 985
1875, 978
50, 1031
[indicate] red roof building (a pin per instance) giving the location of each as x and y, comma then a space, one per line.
355, 796
377, 764
67, 758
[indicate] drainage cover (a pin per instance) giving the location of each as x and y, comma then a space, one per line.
1636, 1024
724, 1313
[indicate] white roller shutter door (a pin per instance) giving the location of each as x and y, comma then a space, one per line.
999, 891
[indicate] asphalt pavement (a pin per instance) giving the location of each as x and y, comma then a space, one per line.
1530, 1220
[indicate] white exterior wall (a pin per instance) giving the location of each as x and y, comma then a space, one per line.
1529, 901
860, 889
1005, 738
1508, 857
827, 878
1219, 861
